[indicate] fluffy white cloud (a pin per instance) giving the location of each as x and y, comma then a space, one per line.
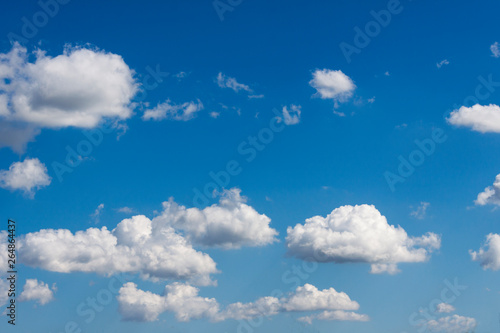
452, 324
332, 84
444, 308
489, 254
229, 224
291, 116
358, 234
480, 118
231, 83
135, 245
38, 291
168, 110
78, 88
335, 315
183, 300
490, 195
495, 50
309, 298
27, 176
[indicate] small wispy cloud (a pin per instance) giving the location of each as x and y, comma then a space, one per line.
97, 213
495, 50
421, 211
125, 210
442, 63
224, 81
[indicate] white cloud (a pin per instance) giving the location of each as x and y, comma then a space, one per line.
335, 315
136, 245
214, 114
387, 73
309, 298
291, 115
17, 135
168, 110
38, 291
332, 84
452, 324
27, 176
495, 50
421, 211
490, 195
183, 300
229, 224
358, 234
480, 118
230, 82
442, 63
97, 213
79, 88
444, 308
489, 254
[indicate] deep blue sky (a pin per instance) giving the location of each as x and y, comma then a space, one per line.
309, 169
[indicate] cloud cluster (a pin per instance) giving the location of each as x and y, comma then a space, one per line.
421, 211
352, 234
27, 176
78, 88
135, 245
452, 324
480, 118
490, 195
38, 291
224, 81
168, 110
229, 224
488, 255
332, 84
184, 301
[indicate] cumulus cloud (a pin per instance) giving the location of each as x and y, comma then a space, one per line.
452, 324
184, 301
78, 88
168, 110
490, 195
38, 291
229, 224
291, 115
332, 84
495, 50
488, 255
421, 211
480, 118
224, 81
136, 245
444, 308
27, 176
351, 234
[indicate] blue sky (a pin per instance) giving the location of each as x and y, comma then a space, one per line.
306, 233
